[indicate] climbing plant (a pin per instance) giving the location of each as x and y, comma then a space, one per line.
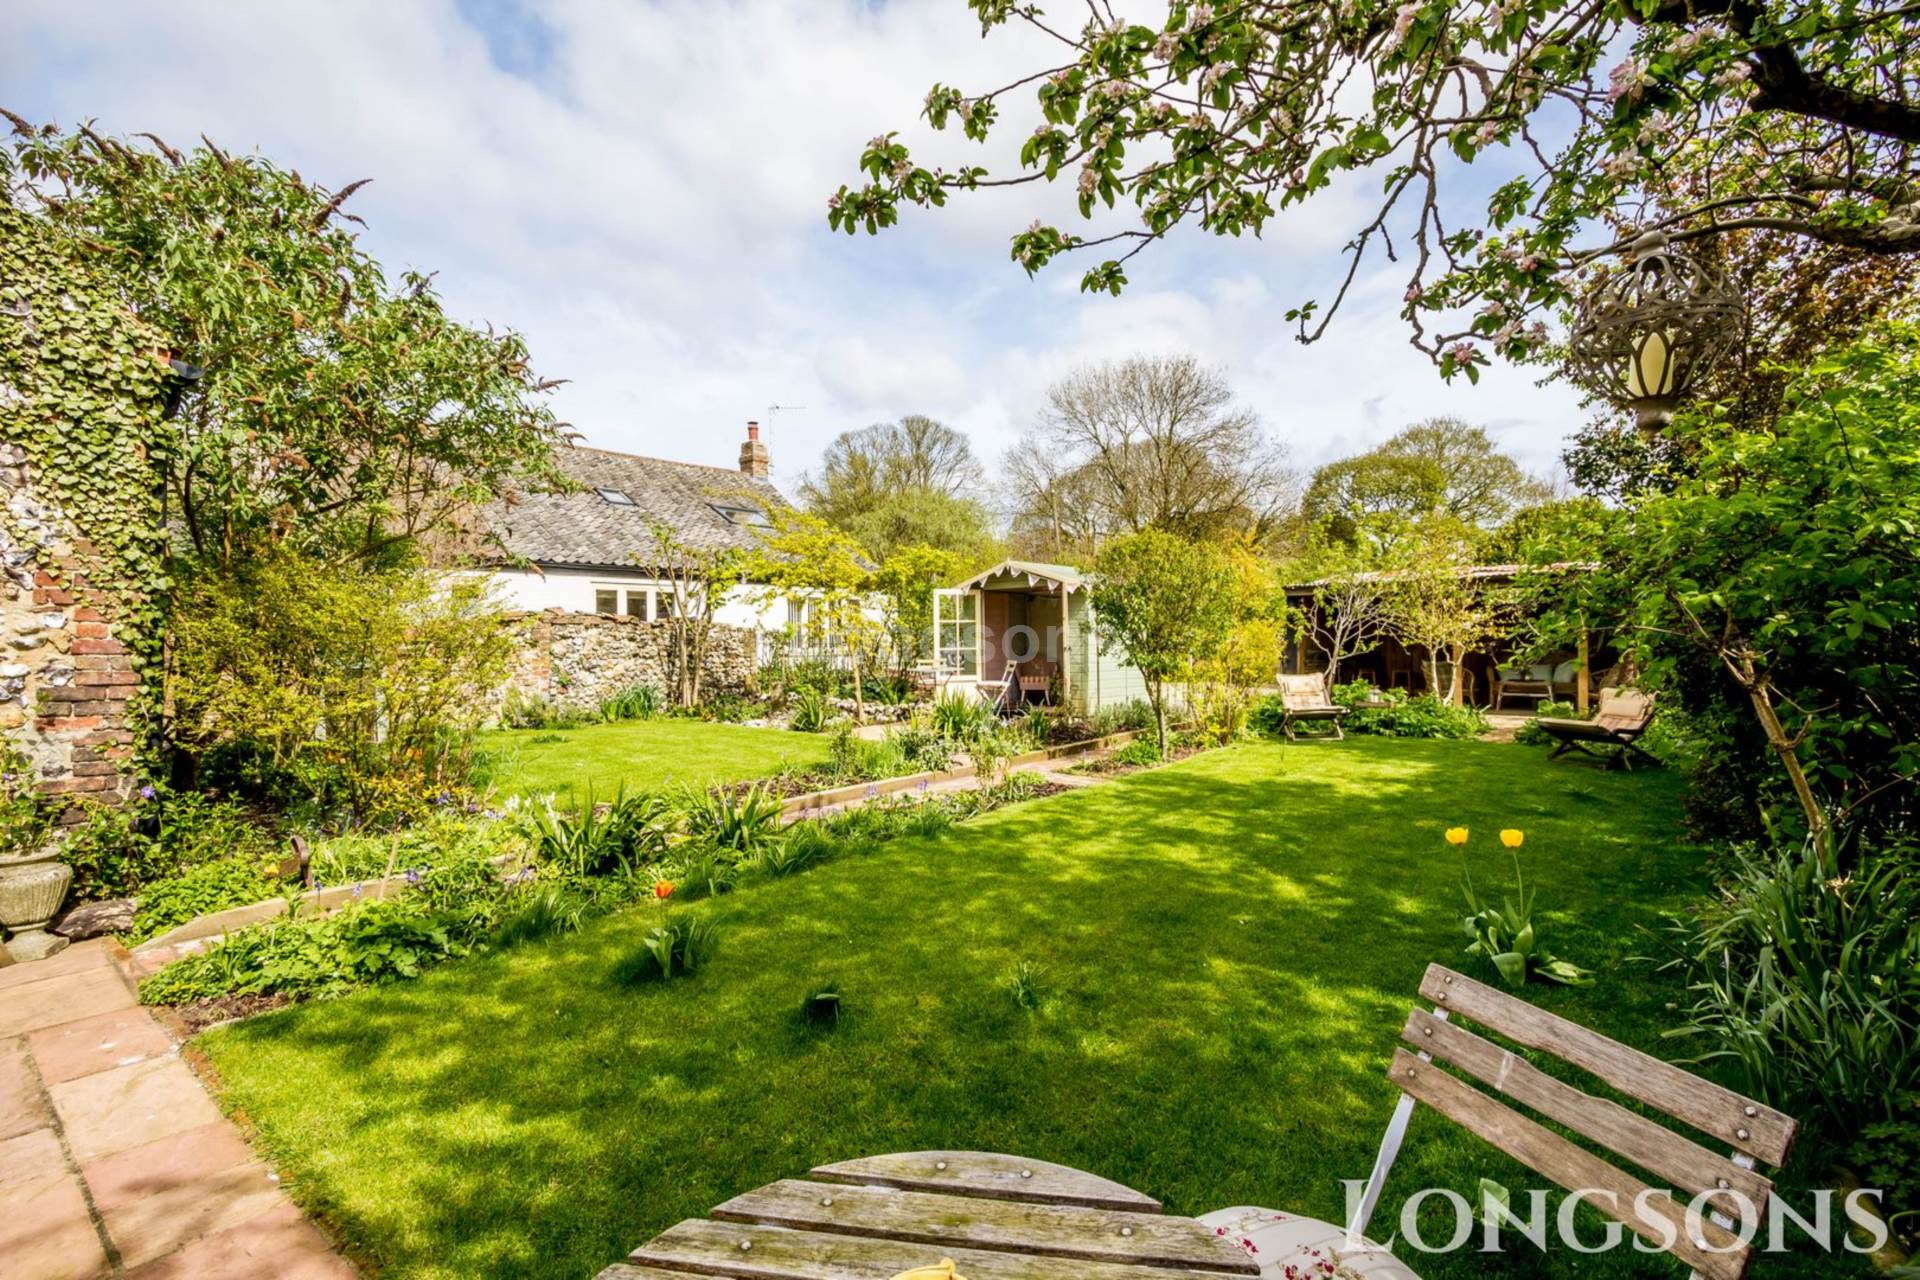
82, 388
336, 411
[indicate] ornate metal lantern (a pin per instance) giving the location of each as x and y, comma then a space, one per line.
1653, 331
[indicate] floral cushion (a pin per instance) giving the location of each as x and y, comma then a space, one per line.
1289, 1247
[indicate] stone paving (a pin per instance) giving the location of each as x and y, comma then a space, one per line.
114, 1161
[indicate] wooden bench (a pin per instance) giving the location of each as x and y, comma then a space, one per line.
1751, 1132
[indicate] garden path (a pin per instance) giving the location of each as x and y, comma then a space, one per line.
114, 1161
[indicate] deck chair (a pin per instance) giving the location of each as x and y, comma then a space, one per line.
1623, 715
1304, 699
1681, 1168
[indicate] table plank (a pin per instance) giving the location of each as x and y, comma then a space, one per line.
990, 1175
1042, 1230
701, 1247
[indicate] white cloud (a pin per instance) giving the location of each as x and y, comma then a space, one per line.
640, 190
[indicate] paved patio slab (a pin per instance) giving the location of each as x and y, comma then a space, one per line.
114, 1161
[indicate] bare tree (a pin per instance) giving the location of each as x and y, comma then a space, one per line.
1348, 614
1158, 442
864, 467
697, 580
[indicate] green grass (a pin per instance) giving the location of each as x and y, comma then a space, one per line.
644, 755
1189, 980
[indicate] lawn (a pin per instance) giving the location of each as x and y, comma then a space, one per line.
642, 755
1225, 949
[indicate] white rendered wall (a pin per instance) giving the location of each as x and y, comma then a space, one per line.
576, 590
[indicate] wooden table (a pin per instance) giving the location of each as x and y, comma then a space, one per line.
998, 1217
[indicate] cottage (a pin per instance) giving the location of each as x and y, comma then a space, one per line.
1024, 621
595, 550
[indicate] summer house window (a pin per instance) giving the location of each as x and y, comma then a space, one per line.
956, 624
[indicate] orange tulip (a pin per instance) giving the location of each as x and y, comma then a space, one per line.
663, 889
1456, 835
1513, 837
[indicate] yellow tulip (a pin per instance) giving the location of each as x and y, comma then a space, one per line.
1456, 835
1513, 837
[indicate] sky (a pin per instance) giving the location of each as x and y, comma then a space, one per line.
640, 190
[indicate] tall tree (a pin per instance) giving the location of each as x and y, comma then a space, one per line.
1164, 602
1787, 115
333, 411
1347, 615
1432, 604
898, 484
805, 557
1441, 465
1158, 442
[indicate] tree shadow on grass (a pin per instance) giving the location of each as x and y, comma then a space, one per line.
1225, 950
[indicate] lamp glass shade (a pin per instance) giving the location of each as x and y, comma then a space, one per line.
1651, 372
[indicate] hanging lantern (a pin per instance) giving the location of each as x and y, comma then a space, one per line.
1654, 331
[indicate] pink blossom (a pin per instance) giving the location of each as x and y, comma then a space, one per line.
1166, 46
1464, 353
1413, 292
1626, 81
1403, 20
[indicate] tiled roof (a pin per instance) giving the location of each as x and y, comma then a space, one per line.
585, 528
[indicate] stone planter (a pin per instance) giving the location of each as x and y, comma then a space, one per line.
31, 889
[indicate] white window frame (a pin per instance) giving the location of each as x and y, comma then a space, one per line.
941, 649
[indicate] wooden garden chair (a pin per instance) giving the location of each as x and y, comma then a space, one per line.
1304, 699
1681, 1168
1622, 716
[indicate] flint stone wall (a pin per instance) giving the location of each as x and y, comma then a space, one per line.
578, 660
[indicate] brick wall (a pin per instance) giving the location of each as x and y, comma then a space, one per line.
66, 680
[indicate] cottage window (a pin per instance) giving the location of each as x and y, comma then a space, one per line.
606, 600
639, 605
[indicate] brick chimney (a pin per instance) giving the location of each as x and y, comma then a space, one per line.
753, 454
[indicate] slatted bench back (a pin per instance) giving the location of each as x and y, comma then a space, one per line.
1755, 1132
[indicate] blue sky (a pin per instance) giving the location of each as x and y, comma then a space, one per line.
640, 189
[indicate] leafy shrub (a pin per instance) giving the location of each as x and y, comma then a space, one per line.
798, 850
673, 949
598, 839
1424, 716
812, 710
1122, 717
961, 718
635, 702
446, 839
541, 914
1506, 935
1805, 981
26, 816
159, 834
1887, 1156
1532, 735
522, 710
727, 708
213, 886
737, 825
700, 870
1136, 754
351, 688
993, 748
381, 941
923, 751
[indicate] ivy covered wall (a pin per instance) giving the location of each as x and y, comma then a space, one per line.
82, 394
